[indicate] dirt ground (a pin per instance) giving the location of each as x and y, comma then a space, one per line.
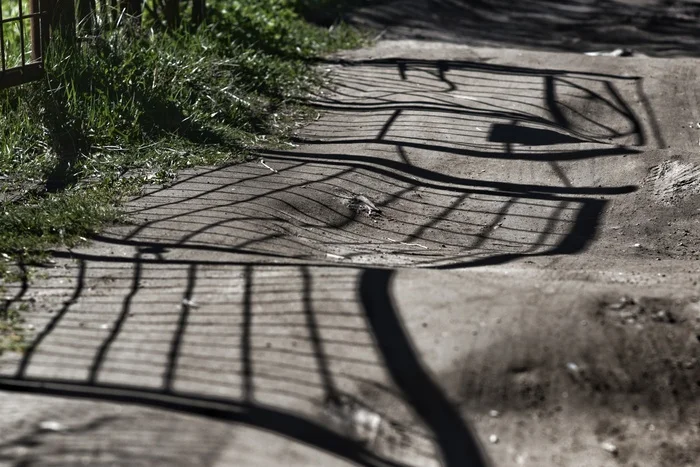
473, 256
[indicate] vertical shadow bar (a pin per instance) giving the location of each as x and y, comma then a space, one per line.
552, 103
116, 328
389, 122
457, 443
29, 353
312, 324
653, 122
247, 371
175, 345
24, 278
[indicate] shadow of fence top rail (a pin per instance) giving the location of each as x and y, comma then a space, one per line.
23, 38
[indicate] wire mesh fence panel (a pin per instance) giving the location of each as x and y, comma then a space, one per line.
23, 38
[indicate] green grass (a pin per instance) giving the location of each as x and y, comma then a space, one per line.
11, 33
119, 111
12, 332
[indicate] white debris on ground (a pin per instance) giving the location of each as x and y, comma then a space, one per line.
609, 447
51, 425
673, 180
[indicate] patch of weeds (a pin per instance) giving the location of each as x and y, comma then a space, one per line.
126, 108
40, 222
12, 332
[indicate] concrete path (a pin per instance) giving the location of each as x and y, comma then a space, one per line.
472, 256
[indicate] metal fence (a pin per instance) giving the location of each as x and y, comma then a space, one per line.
23, 38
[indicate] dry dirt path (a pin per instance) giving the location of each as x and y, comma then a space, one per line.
473, 256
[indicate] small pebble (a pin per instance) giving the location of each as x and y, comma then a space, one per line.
637, 245
51, 425
493, 439
494, 413
190, 303
610, 447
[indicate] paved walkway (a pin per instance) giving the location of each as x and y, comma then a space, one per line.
472, 256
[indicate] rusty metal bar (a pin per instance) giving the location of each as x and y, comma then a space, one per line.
2, 40
21, 33
35, 30
30, 69
16, 18
21, 75
46, 9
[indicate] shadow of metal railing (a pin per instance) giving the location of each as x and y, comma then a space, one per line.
258, 294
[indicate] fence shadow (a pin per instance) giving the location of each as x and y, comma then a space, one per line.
259, 294
288, 349
655, 28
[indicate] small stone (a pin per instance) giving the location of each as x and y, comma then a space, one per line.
30, 327
610, 447
493, 439
637, 245
494, 413
663, 316
189, 303
575, 372
105, 326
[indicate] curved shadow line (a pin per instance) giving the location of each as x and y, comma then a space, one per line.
470, 65
653, 121
24, 287
459, 446
586, 229
545, 156
258, 416
176, 344
395, 170
77, 292
117, 326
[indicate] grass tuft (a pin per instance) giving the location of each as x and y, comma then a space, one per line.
124, 109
